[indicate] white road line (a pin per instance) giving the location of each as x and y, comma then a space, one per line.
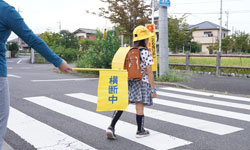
40, 135
14, 76
20, 60
199, 124
236, 98
207, 110
204, 100
156, 140
58, 80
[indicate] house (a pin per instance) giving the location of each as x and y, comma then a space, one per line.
21, 44
85, 33
206, 33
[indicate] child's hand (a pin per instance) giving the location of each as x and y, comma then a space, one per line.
154, 95
64, 67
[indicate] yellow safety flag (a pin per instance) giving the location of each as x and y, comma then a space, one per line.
152, 45
112, 90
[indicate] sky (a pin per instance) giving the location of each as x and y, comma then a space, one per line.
45, 15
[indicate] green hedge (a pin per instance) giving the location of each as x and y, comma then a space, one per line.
101, 53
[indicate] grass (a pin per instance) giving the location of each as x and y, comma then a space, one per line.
173, 77
242, 62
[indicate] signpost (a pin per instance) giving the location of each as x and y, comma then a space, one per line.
163, 36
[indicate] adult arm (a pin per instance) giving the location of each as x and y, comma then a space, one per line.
16, 23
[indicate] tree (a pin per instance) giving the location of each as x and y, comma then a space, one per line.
68, 40
178, 35
126, 14
50, 38
238, 42
85, 44
13, 47
227, 44
241, 40
193, 47
100, 54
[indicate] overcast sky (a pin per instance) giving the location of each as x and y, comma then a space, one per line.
42, 15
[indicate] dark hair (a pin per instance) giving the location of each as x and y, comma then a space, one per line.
140, 43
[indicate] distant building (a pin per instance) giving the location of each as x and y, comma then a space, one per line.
85, 33
206, 33
21, 44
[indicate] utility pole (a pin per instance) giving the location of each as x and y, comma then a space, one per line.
220, 33
227, 24
153, 11
60, 26
163, 36
18, 39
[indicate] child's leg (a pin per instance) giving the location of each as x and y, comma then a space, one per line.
140, 116
116, 117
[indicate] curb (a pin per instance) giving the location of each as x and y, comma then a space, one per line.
173, 85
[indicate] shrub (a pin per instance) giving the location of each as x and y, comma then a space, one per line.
101, 53
68, 54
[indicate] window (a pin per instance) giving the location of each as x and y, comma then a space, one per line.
208, 34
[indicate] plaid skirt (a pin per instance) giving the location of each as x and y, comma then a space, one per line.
139, 92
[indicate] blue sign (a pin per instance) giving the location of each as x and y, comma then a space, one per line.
165, 3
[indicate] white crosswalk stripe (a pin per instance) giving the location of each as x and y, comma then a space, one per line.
198, 124
46, 138
207, 110
49, 138
205, 100
235, 98
161, 141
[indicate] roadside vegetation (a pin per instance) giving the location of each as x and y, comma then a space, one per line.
242, 62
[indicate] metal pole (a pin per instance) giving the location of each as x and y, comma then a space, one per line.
32, 56
220, 33
163, 39
153, 11
227, 12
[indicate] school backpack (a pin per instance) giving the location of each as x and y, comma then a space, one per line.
132, 63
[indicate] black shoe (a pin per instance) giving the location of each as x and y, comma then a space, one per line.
110, 132
143, 133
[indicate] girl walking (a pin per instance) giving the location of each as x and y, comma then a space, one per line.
141, 91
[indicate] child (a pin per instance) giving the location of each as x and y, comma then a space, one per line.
141, 91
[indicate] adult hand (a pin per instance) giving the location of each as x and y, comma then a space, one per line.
154, 95
65, 67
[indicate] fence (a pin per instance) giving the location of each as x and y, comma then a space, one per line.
218, 61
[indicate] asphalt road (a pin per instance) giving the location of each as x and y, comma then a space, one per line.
44, 117
233, 85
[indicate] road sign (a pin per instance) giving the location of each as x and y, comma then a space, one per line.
165, 3
152, 45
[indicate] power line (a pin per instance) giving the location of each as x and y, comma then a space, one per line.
205, 2
210, 13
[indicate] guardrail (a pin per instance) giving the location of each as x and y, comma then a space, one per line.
218, 61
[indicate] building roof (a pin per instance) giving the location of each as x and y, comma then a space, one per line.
13, 40
93, 31
206, 25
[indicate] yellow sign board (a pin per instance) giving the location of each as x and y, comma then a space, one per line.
152, 45
112, 90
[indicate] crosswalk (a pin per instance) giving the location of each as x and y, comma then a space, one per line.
44, 137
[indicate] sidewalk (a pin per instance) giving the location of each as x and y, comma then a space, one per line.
230, 85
